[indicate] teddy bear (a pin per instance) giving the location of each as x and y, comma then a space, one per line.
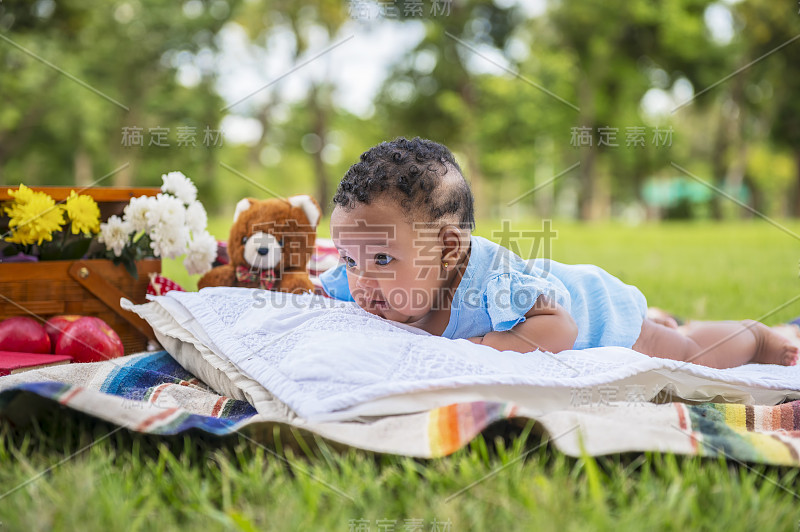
270, 244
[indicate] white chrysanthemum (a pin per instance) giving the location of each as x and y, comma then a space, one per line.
114, 234
180, 186
202, 252
169, 241
166, 210
196, 218
136, 212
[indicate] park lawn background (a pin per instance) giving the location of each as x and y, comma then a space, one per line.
67, 472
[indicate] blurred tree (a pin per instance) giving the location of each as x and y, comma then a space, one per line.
600, 57
77, 72
500, 87
770, 32
312, 20
431, 92
771, 175
623, 48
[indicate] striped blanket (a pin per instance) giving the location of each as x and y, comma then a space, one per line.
152, 393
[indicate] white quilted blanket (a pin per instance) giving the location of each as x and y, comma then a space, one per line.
329, 360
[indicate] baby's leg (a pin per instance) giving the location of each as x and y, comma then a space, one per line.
717, 344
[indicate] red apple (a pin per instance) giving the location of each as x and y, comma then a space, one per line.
89, 339
23, 335
56, 325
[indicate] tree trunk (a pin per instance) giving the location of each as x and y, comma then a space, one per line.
542, 173
587, 155
601, 206
481, 207
319, 127
735, 179
82, 167
124, 177
795, 204
483, 203
263, 116
121, 154
757, 198
586, 190
718, 166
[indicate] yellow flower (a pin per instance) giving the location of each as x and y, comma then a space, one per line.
21, 197
83, 212
23, 194
34, 217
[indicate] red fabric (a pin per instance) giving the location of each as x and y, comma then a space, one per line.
160, 285
264, 278
325, 256
222, 254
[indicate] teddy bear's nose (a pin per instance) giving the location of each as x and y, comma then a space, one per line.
263, 251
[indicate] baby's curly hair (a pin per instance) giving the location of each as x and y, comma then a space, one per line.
423, 175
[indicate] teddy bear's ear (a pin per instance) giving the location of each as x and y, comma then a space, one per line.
309, 206
242, 206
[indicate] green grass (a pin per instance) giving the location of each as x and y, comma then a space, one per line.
134, 481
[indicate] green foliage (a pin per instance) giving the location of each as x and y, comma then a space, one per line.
125, 56
578, 64
773, 172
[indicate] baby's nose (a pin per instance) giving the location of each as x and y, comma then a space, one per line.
365, 280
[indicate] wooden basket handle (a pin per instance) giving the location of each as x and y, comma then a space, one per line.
108, 294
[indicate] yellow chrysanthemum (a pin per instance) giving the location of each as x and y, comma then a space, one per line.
34, 217
83, 212
23, 194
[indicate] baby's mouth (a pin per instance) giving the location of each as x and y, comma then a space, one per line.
377, 304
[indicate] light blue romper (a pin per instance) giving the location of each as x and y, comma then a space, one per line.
498, 288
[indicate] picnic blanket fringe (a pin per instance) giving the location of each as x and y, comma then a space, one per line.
151, 393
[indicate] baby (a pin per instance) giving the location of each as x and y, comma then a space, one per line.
402, 223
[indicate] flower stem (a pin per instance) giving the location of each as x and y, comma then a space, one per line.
64, 238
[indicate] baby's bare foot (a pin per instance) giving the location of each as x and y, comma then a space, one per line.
666, 321
771, 347
661, 317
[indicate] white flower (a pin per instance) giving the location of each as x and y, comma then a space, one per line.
166, 210
179, 185
196, 218
136, 212
202, 252
169, 241
114, 234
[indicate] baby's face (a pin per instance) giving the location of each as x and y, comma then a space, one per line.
393, 268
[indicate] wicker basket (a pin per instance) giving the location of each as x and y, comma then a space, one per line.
84, 287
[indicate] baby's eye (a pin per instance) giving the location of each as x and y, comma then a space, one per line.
350, 263
382, 259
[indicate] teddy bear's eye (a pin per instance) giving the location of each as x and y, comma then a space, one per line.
244, 240
280, 241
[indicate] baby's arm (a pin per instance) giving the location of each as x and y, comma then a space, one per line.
547, 326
